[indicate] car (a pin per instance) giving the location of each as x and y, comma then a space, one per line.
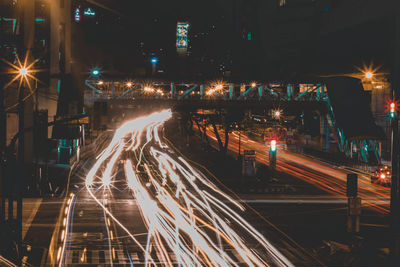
382, 176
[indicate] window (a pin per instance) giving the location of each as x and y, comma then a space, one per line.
281, 2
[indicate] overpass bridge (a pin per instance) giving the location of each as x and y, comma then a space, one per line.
322, 97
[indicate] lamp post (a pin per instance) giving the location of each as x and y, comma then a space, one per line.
23, 73
21, 155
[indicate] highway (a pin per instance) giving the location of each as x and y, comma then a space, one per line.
326, 176
133, 200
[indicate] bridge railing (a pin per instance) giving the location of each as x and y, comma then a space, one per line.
213, 91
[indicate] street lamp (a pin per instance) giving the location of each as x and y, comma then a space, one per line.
277, 114
23, 72
154, 60
369, 75
95, 72
219, 87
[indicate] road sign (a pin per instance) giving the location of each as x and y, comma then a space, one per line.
352, 185
77, 15
89, 12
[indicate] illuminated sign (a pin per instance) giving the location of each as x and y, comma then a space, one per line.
89, 12
77, 15
182, 30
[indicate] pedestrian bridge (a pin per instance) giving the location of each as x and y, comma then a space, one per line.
328, 97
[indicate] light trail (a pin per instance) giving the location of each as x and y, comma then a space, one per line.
183, 211
319, 174
62, 256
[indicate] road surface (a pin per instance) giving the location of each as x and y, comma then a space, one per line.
134, 201
323, 175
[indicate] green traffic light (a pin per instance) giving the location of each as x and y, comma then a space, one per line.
273, 145
95, 72
392, 115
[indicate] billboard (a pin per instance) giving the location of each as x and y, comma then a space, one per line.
182, 29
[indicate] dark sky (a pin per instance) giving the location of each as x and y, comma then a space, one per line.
152, 23
126, 41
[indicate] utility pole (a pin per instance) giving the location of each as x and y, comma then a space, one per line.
395, 194
21, 166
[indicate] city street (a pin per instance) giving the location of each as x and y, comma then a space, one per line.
328, 177
142, 203
199, 133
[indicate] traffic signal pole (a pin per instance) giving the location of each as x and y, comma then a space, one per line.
3, 144
395, 195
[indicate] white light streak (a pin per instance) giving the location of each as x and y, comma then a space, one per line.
182, 210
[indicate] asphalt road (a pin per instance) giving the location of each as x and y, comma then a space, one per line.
134, 200
328, 177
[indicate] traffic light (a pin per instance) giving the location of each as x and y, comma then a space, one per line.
272, 154
392, 109
273, 145
95, 72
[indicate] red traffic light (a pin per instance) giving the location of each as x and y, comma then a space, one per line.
392, 107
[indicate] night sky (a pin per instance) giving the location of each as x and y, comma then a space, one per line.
123, 38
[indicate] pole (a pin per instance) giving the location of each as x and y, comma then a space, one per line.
3, 143
394, 194
240, 135
20, 179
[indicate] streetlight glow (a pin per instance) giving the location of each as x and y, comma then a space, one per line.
148, 89
253, 84
23, 71
129, 84
95, 72
277, 113
369, 75
153, 60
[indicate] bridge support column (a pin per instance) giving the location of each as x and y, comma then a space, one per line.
324, 132
112, 89
320, 91
172, 91
201, 91
230, 91
289, 91
260, 92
